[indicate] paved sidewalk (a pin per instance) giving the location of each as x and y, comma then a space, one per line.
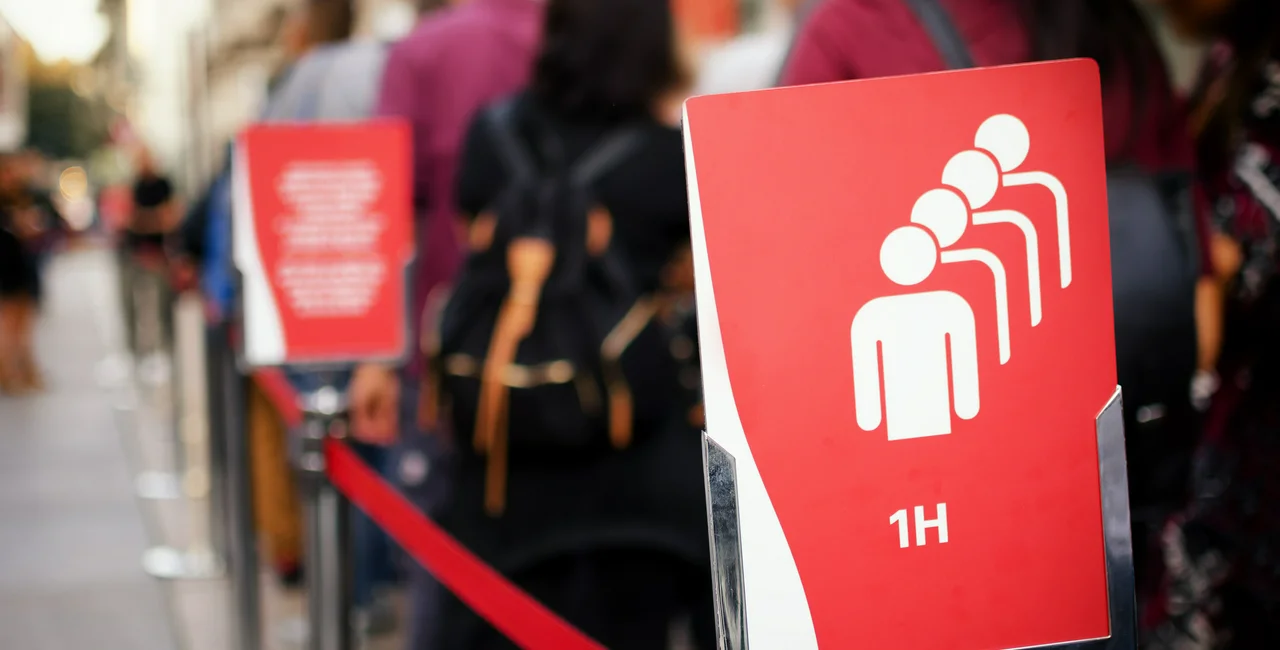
71, 531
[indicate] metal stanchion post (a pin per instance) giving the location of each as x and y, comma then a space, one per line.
215, 348
148, 344
245, 588
199, 560
329, 578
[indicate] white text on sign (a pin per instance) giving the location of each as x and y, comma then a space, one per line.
922, 526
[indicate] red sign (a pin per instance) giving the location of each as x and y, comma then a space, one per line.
323, 235
905, 299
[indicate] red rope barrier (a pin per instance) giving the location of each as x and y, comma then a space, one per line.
522, 619
280, 393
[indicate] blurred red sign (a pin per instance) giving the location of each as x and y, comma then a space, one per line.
707, 19
322, 239
905, 300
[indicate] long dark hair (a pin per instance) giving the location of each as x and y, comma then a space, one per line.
330, 21
1112, 32
1252, 29
1116, 35
606, 59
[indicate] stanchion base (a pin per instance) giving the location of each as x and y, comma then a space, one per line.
168, 563
294, 632
158, 486
154, 369
127, 400
114, 371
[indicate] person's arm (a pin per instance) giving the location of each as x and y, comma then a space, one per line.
375, 389
1219, 262
866, 366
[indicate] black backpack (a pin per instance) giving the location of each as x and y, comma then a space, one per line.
545, 344
1153, 269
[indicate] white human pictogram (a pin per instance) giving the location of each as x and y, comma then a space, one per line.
975, 174
945, 214
1006, 138
927, 342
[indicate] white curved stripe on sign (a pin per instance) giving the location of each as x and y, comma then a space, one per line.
264, 343
776, 606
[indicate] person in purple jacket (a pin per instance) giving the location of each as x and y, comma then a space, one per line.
458, 59
455, 61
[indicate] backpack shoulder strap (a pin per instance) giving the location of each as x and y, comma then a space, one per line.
514, 153
943, 32
612, 149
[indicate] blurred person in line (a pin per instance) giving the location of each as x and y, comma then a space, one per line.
608, 529
461, 55
277, 507
1145, 130
21, 225
34, 172
338, 80
1223, 587
153, 217
335, 78
754, 60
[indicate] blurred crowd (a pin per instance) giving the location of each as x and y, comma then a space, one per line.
609, 528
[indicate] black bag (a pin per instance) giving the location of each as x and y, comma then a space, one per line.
1153, 268
546, 345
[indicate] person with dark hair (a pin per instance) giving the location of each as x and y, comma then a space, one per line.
144, 249
1223, 587
338, 80
316, 81
612, 537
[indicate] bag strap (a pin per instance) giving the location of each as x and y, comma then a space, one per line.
943, 32
510, 148
612, 149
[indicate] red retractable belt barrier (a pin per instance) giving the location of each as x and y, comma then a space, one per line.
522, 619
280, 393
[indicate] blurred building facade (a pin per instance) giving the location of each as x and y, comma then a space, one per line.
14, 58
199, 69
190, 73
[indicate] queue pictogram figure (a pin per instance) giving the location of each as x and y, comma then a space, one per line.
921, 383
917, 353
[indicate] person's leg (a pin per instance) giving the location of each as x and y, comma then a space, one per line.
28, 369
555, 583
628, 600
152, 310
421, 467
276, 506
370, 552
625, 600
9, 338
701, 604
168, 300
125, 274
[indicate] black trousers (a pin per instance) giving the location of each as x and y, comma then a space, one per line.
624, 599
